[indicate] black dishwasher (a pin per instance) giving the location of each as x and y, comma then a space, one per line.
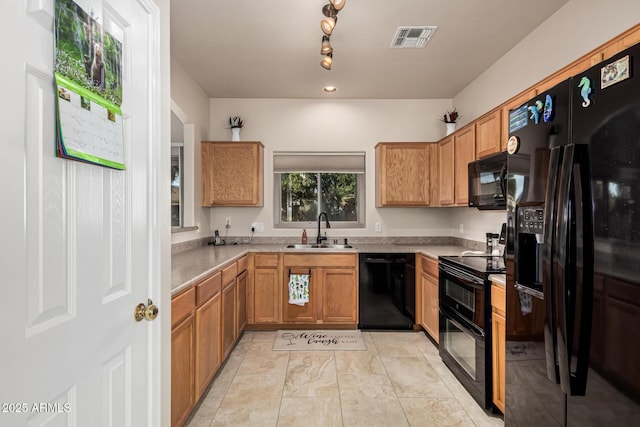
387, 297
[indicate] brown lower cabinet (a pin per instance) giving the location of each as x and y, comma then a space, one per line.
429, 288
182, 356
264, 295
339, 295
206, 320
208, 356
229, 308
498, 352
333, 289
229, 302
241, 298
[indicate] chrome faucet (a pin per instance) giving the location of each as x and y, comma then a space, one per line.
326, 218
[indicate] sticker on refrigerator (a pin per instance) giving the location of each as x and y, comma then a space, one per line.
585, 91
518, 118
547, 114
513, 144
535, 111
615, 72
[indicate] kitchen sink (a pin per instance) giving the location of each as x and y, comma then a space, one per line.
320, 246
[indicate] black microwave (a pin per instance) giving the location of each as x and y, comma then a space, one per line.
488, 182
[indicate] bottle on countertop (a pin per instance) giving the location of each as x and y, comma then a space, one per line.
304, 236
495, 250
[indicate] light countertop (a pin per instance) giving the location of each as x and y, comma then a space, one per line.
500, 279
191, 266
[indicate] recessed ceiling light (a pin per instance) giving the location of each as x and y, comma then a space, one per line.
329, 89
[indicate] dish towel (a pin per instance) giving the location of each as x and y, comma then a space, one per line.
298, 289
526, 303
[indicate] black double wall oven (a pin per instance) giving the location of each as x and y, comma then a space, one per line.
465, 321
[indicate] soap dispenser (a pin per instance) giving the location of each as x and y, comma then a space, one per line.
304, 236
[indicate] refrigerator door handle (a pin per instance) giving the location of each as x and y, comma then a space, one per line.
584, 278
574, 211
561, 270
548, 264
503, 181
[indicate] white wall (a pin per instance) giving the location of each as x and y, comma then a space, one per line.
357, 125
574, 30
193, 104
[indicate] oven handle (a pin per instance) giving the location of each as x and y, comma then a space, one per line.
469, 279
464, 326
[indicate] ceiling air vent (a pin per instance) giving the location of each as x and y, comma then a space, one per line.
412, 37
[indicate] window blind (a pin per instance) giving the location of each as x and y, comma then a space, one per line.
340, 162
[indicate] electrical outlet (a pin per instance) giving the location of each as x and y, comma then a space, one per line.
462, 228
227, 221
258, 226
378, 227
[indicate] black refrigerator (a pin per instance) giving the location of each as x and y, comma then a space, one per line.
573, 251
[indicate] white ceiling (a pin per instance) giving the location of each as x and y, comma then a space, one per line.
271, 48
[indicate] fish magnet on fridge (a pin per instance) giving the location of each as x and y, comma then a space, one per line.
547, 114
535, 111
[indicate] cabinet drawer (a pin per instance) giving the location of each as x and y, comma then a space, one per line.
208, 288
229, 274
182, 305
243, 263
266, 260
320, 260
499, 298
430, 266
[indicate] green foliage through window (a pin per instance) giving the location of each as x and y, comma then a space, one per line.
305, 195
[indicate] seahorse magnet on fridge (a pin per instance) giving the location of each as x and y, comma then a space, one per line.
585, 91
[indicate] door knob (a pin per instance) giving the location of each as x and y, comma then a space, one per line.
142, 311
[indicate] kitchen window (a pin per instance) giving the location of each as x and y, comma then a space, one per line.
306, 184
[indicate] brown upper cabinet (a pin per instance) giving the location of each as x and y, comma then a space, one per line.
488, 134
465, 152
403, 174
446, 165
232, 173
454, 154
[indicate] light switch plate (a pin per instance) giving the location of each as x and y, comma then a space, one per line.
378, 227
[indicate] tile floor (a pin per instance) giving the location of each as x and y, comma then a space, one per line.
398, 381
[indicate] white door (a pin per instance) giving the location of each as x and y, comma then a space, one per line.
79, 243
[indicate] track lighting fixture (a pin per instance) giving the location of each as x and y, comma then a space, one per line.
327, 61
326, 46
328, 24
338, 4
330, 10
